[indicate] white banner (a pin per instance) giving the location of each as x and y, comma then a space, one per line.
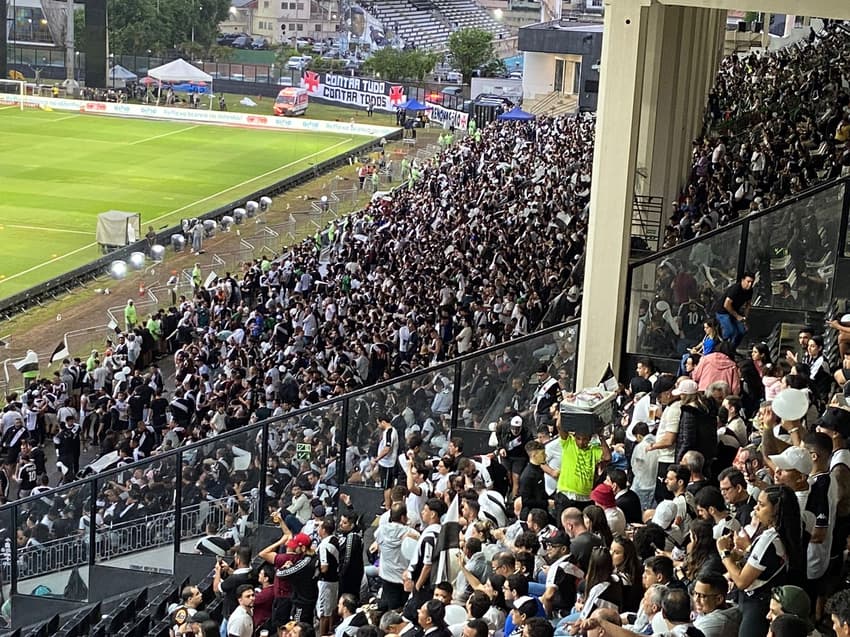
225, 118
447, 116
354, 91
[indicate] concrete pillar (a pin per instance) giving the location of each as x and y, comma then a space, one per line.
653, 92
765, 31
683, 44
614, 156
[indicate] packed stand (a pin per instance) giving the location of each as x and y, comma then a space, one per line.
686, 515
777, 123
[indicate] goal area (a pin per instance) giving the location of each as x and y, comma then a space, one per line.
12, 93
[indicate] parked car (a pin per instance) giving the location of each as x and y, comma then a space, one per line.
454, 76
302, 42
285, 80
242, 42
452, 90
226, 39
259, 43
297, 63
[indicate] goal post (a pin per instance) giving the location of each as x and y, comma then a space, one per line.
12, 92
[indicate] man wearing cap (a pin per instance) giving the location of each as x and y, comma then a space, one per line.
562, 576
670, 409
790, 600
301, 573
512, 441
524, 608
792, 468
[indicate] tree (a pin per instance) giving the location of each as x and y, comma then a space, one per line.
471, 48
136, 26
395, 65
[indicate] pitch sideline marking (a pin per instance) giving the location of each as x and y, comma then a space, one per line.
9, 225
247, 181
174, 132
59, 119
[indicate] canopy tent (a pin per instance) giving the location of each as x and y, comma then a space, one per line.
516, 114
178, 71
119, 76
414, 105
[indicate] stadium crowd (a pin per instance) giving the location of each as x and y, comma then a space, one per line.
716, 504
776, 124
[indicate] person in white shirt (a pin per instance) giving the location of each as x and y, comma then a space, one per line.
390, 542
241, 621
387, 455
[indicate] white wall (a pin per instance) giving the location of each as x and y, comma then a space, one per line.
538, 74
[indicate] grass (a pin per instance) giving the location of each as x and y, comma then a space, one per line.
60, 170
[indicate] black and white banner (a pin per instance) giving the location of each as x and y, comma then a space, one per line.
354, 91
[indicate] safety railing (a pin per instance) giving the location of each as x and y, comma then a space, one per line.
792, 249
472, 391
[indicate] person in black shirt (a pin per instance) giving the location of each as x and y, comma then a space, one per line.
532, 492
302, 575
350, 555
732, 309
227, 579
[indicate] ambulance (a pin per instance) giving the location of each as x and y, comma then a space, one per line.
291, 101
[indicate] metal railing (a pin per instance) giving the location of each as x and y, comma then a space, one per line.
478, 381
114, 540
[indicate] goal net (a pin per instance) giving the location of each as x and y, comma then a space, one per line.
12, 93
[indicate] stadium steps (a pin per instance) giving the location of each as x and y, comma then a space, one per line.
551, 104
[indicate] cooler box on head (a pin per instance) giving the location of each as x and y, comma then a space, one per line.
583, 411
116, 229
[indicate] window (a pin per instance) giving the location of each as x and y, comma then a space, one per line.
318, 27
292, 27
292, 6
266, 4
300, 6
300, 27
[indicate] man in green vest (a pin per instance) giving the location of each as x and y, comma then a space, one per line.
130, 316
582, 455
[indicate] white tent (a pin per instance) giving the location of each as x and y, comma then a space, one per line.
180, 71
119, 76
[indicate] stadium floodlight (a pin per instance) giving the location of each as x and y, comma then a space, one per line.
157, 252
265, 203
226, 222
251, 207
178, 242
118, 269
209, 227
137, 260
239, 215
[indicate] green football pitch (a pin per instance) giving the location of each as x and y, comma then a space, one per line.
59, 170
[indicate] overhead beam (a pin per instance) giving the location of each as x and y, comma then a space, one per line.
837, 9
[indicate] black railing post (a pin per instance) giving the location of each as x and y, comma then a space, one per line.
264, 468
13, 571
342, 444
93, 523
178, 503
456, 394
